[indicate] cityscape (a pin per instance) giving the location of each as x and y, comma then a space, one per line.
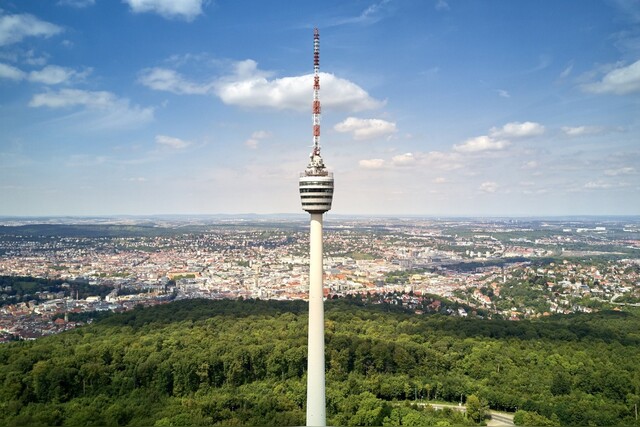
496, 268
475, 262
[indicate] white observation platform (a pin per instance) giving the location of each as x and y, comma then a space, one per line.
316, 186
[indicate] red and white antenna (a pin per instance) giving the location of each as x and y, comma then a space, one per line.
316, 92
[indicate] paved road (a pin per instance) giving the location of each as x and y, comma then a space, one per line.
497, 418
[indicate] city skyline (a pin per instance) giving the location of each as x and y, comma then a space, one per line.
432, 108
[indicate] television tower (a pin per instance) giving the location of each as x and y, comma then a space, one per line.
316, 194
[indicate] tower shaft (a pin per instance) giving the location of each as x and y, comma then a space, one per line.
316, 405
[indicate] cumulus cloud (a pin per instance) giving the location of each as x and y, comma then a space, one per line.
372, 163
170, 9
14, 28
171, 142
488, 187
10, 72
108, 110
433, 160
517, 130
481, 143
248, 86
171, 81
499, 138
251, 87
49, 75
53, 74
365, 128
581, 130
403, 160
256, 136
619, 81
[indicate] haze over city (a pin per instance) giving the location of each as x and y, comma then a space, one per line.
429, 107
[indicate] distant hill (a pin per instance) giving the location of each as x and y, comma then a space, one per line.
88, 230
201, 362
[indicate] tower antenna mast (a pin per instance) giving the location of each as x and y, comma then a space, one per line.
316, 92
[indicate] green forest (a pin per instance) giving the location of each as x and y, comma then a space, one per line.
201, 362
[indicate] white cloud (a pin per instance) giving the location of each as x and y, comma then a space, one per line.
481, 143
565, 73
370, 15
248, 86
171, 81
488, 187
532, 164
366, 128
53, 74
433, 160
171, 142
498, 138
31, 58
503, 93
10, 72
77, 3
619, 81
49, 75
108, 110
627, 170
439, 180
256, 136
597, 185
182, 9
581, 130
251, 87
14, 28
371, 163
260, 134
517, 130
73, 97
402, 160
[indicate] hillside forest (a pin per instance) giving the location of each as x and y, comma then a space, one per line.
202, 362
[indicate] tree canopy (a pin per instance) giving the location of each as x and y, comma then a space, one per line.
201, 362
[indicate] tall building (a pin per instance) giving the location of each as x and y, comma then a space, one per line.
316, 194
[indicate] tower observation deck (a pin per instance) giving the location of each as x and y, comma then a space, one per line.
316, 183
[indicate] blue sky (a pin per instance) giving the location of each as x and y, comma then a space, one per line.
432, 107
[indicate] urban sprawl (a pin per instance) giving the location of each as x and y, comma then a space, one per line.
508, 268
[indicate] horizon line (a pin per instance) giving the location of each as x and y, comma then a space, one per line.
302, 214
